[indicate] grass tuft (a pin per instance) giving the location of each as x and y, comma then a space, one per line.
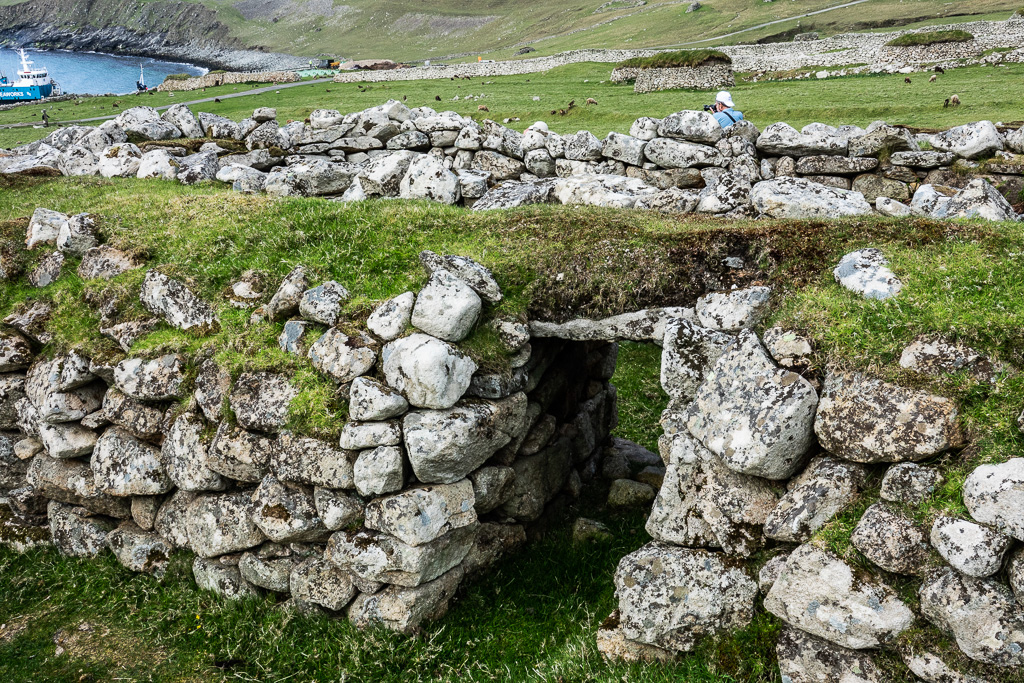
930, 38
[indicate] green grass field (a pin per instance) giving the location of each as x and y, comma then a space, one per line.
534, 618
986, 92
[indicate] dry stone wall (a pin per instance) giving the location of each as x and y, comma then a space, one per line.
437, 472
211, 80
682, 163
699, 78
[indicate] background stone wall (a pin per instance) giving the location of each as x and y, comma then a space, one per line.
709, 77
214, 79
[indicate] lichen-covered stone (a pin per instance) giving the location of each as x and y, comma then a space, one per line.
322, 303
867, 273
732, 311
755, 416
221, 523
405, 609
286, 512
304, 460
994, 494
370, 399
260, 400
819, 593
826, 487
239, 454
317, 581
390, 319
430, 373
288, 296
337, 509
689, 351
76, 532
125, 466
176, 303
446, 445
981, 614
379, 470
342, 357
446, 307
379, 557
156, 380
139, 550
868, 420
970, 548
419, 515
804, 658
672, 597
224, 580
891, 540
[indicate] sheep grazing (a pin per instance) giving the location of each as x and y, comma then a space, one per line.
591, 100
933, 78
437, 97
939, 70
482, 107
954, 101
906, 80
946, 103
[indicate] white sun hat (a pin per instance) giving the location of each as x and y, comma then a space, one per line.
724, 97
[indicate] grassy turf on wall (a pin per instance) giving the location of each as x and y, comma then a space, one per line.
930, 38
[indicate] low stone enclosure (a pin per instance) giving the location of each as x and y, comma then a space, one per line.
705, 77
214, 79
441, 466
684, 162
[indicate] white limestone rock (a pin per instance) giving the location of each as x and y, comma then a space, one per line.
126, 466
976, 140
994, 495
286, 512
379, 470
371, 400
732, 311
969, 548
824, 489
156, 380
176, 303
867, 273
221, 523
419, 515
341, 357
689, 351
787, 197
389, 320
323, 303
446, 307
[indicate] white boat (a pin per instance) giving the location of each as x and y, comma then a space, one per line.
31, 84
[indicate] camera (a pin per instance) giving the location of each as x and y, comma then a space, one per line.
709, 108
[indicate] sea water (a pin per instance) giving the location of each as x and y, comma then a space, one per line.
92, 73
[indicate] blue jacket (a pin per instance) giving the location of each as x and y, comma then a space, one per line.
723, 117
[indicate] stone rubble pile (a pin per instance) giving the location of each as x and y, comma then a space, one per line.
758, 458
437, 472
682, 163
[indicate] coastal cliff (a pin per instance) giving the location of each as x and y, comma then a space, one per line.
167, 29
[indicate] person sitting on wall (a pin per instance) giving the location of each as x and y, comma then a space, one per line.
723, 111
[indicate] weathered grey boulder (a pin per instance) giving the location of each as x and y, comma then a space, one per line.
834, 165
755, 416
76, 532
702, 502
312, 177
359, 435
446, 445
971, 141
981, 614
72, 482
341, 357
601, 190
890, 207
868, 420
669, 153
498, 165
176, 303
52, 405
197, 168
47, 271
43, 227
732, 311
922, 159
867, 273
644, 325
994, 495
819, 593
288, 297
880, 137
182, 118
383, 174
938, 357
261, 399
428, 178
909, 483
379, 470
695, 126
184, 454
430, 373
155, 380
78, 235
268, 567
891, 540
800, 198
224, 580
780, 139
420, 515
673, 597
826, 487
447, 307
140, 550
624, 148
336, 509
405, 609
221, 523
310, 461
509, 195
804, 658
240, 454
66, 439
322, 303
931, 669
969, 548
379, 557
978, 199
689, 351
126, 466
931, 200
370, 399
392, 317
645, 128
106, 262
215, 126
15, 352
286, 512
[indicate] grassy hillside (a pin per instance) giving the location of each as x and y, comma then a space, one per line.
986, 92
533, 619
414, 30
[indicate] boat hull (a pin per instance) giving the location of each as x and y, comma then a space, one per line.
15, 93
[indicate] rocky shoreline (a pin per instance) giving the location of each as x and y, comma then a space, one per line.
123, 42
